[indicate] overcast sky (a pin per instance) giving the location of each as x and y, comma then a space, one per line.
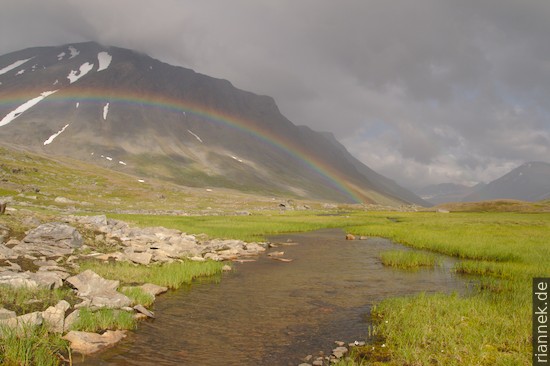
423, 91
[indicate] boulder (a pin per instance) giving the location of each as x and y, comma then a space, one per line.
100, 291
87, 343
22, 322
50, 240
153, 289
17, 279
70, 320
6, 253
54, 316
7, 314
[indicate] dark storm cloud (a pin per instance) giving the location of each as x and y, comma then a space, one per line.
423, 91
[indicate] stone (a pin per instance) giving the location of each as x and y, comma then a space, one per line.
7, 314
87, 343
17, 279
54, 318
141, 309
276, 254
318, 363
339, 352
139, 258
350, 237
24, 321
339, 343
70, 320
153, 289
100, 291
50, 240
227, 268
6, 252
50, 280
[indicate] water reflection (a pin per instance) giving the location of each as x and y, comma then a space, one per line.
275, 313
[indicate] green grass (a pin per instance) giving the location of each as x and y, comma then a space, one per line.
104, 319
171, 275
490, 326
248, 228
24, 300
408, 259
33, 346
138, 296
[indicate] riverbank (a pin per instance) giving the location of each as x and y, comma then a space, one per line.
80, 281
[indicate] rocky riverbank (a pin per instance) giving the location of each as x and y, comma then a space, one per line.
36, 254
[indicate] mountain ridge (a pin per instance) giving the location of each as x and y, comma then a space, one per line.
130, 112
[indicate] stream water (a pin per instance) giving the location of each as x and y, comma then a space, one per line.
274, 313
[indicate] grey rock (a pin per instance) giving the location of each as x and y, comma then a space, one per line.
54, 318
100, 291
22, 322
6, 253
141, 309
50, 240
153, 289
70, 320
17, 279
139, 258
7, 314
46, 279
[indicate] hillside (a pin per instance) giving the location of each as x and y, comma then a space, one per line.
128, 112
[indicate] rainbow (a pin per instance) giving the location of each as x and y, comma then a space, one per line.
329, 174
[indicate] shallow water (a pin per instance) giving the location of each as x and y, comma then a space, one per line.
274, 313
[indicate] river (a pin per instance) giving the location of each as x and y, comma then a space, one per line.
274, 313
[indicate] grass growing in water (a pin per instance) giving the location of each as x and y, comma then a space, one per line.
408, 259
492, 326
138, 296
104, 319
31, 346
172, 275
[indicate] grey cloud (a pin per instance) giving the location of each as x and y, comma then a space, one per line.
460, 86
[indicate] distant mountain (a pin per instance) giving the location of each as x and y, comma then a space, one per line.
447, 192
528, 182
129, 112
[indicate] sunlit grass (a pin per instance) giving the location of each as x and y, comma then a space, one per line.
408, 259
104, 319
171, 275
31, 346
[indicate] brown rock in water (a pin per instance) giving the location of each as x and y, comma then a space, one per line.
87, 343
350, 237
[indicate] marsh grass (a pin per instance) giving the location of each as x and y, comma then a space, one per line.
172, 275
138, 296
408, 259
31, 346
489, 326
104, 319
24, 300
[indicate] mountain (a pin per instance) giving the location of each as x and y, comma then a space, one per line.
446, 192
126, 111
528, 182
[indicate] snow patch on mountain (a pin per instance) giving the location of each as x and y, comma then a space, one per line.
13, 65
104, 60
23, 107
77, 104
236, 158
197, 137
74, 52
122, 163
52, 137
84, 69
20, 72
60, 56
105, 111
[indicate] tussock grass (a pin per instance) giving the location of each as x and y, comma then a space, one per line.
138, 296
408, 259
104, 319
490, 326
24, 300
31, 346
248, 228
172, 275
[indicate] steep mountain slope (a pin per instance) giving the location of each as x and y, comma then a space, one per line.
129, 112
528, 182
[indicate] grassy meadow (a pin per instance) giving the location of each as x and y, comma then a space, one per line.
503, 251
